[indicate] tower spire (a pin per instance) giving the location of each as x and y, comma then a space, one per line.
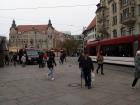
13, 24
49, 23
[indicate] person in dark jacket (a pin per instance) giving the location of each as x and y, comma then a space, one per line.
61, 58
41, 55
137, 68
14, 59
88, 67
50, 63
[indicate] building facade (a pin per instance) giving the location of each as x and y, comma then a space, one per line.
116, 18
37, 36
90, 33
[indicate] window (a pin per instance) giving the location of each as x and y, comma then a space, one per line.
139, 9
125, 2
125, 13
114, 20
132, 11
114, 33
123, 32
114, 8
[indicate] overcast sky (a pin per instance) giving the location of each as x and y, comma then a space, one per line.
36, 12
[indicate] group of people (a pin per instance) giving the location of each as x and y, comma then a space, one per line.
87, 67
85, 63
15, 58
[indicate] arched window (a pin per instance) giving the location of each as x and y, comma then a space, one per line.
114, 33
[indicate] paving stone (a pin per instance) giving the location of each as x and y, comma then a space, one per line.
30, 86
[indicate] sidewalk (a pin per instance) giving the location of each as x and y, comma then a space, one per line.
30, 86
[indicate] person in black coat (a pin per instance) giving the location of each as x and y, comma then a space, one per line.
50, 63
88, 67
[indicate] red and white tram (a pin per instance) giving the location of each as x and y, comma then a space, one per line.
119, 50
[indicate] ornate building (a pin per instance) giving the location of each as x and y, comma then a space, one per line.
117, 18
102, 20
37, 36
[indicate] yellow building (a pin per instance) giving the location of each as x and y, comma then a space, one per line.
37, 36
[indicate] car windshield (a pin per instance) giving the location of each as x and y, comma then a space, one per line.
32, 52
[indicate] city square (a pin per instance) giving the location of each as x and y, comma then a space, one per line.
30, 86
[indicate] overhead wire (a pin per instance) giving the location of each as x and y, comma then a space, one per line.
60, 6
43, 7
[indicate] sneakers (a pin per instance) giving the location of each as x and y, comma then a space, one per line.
52, 79
132, 87
89, 87
102, 73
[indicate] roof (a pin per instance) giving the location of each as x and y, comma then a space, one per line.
92, 24
24, 28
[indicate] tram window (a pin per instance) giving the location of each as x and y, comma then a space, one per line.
93, 51
120, 50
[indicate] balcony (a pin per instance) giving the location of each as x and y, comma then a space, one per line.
103, 29
101, 18
130, 20
130, 4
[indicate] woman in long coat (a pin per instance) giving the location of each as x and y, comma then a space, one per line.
137, 68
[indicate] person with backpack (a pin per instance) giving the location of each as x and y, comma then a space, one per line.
50, 64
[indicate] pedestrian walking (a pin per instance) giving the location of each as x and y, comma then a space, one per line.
7, 59
23, 60
137, 68
18, 60
61, 58
14, 59
88, 67
50, 63
40, 62
100, 60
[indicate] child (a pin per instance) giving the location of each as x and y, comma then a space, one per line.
23, 59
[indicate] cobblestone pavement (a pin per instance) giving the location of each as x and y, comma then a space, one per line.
30, 86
